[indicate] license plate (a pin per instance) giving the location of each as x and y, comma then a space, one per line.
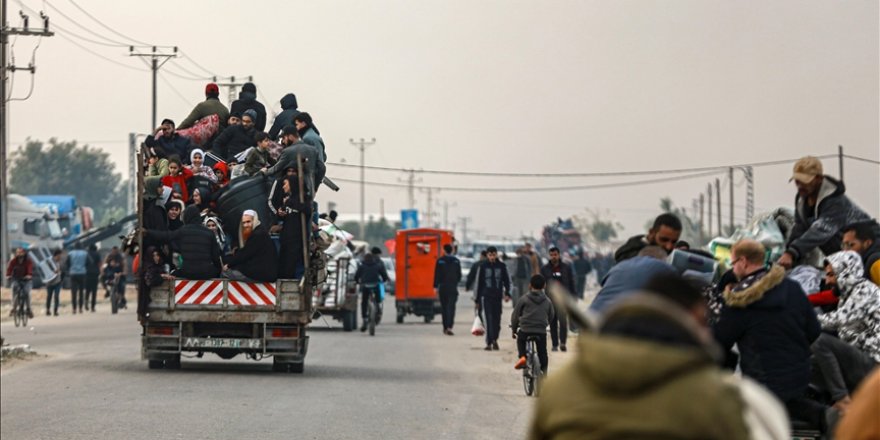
222, 343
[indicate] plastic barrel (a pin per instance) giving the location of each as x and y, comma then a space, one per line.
244, 193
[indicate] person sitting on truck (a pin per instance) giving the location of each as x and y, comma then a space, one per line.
168, 141
247, 103
259, 158
313, 166
255, 258
370, 273
158, 163
174, 208
155, 269
216, 226
531, 316
665, 233
862, 239
210, 106
20, 270
198, 167
177, 179
196, 244
235, 139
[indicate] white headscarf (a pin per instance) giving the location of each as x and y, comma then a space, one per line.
194, 152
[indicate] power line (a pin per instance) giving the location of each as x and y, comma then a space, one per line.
174, 89
863, 159
109, 60
716, 168
539, 189
105, 26
195, 76
187, 57
112, 42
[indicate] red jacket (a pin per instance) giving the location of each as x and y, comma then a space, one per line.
180, 181
18, 270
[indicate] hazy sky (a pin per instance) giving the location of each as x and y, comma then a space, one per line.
500, 86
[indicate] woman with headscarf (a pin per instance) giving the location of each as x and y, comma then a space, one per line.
291, 261
156, 219
196, 244
198, 167
216, 226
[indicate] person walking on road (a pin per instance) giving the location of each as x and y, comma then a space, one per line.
447, 274
93, 273
521, 274
557, 271
77, 262
53, 287
492, 285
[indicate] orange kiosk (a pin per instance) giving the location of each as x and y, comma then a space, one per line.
416, 254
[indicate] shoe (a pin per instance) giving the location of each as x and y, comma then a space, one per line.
562, 348
555, 348
449, 332
495, 346
520, 363
364, 327
48, 313
56, 313
74, 311
30, 314
488, 347
93, 310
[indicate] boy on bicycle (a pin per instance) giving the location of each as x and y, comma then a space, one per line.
369, 275
21, 271
531, 316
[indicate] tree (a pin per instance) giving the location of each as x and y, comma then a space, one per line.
597, 225
64, 168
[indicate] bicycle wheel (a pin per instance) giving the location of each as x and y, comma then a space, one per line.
114, 301
16, 312
535, 366
372, 316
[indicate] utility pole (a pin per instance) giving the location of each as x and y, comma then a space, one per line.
154, 65
730, 176
702, 222
718, 201
362, 145
411, 187
464, 228
750, 193
5, 32
233, 86
709, 223
446, 214
840, 160
132, 173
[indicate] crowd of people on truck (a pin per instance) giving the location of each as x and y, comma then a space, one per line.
190, 167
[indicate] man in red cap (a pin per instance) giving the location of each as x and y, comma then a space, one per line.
210, 106
822, 211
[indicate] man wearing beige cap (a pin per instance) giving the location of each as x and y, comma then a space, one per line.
822, 210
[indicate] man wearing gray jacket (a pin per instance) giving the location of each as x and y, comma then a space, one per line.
531, 316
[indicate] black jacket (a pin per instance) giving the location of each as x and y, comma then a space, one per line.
371, 271
233, 140
248, 101
196, 244
165, 147
288, 112
562, 274
770, 319
93, 264
630, 249
314, 166
493, 280
447, 272
258, 259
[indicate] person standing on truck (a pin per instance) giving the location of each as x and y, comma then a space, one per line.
210, 106
255, 259
447, 274
309, 133
313, 167
20, 270
196, 244
291, 261
288, 112
247, 100
492, 285
77, 261
370, 273
559, 272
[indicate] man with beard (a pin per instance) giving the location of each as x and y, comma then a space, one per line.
822, 210
860, 238
492, 284
166, 140
196, 244
314, 167
558, 272
664, 233
247, 100
236, 138
255, 259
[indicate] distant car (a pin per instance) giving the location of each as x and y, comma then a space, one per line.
466, 264
392, 276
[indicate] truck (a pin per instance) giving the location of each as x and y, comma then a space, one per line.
337, 296
31, 225
227, 317
73, 219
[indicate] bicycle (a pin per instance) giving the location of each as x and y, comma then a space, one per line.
19, 305
372, 308
532, 374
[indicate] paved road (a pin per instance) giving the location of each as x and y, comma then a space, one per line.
409, 381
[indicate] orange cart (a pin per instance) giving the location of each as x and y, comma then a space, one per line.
416, 254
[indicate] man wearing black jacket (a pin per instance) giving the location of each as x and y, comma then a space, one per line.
557, 271
247, 100
492, 285
196, 244
447, 274
370, 274
665, 232
255, 259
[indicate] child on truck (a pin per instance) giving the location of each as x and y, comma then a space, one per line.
531, 316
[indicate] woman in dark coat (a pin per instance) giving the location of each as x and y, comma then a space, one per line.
291, 261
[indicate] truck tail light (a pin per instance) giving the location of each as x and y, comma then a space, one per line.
286, 332
160, 330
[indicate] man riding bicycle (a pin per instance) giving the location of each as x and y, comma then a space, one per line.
370, 274
21, 270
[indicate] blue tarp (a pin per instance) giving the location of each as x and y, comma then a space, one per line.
60, 204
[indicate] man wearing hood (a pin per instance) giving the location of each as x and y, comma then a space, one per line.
822, 210
155, 219
649, 371
195, 243
314, 166
772, 323
665, 232
861, 238
247, 100
845, 361
210, 106
289, 110
256, 258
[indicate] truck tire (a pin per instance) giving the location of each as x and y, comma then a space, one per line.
348, 321
173, 364
242, 194
155, 365
400, 315
298, 367
279, 367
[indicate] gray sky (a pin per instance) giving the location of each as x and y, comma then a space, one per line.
500, 86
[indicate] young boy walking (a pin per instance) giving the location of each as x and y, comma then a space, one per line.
531, 316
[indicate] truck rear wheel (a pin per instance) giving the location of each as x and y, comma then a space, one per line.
349, 320
173, 364
400, 315
298, 367
155, 365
